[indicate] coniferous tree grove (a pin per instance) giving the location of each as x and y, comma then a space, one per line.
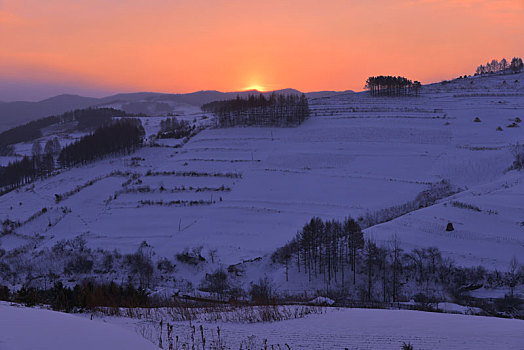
122, 137
516, 65
276, 110
392, 86
325, 248
21, 172
90, 118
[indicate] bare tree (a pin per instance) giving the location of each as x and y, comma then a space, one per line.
36, 150
513, 275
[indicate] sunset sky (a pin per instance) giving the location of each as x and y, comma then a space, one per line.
97, 47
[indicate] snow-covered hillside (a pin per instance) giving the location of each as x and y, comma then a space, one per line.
243, 192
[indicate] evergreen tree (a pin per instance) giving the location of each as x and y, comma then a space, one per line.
276, 110
516, 64
391, 86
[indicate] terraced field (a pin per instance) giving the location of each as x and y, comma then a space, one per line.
246, 191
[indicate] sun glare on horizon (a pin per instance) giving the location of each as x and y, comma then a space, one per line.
257, 87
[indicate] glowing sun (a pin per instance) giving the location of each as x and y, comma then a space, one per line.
255, 87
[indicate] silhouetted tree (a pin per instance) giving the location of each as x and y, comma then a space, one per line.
495, 66
390, 86
516, 64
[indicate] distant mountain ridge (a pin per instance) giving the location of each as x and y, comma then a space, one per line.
20, 112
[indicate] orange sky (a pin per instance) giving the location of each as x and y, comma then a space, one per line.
188, 45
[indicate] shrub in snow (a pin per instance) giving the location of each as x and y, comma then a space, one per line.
27, 296
322, 301
165, 265
216, 282
510, 306
107, 261
173, 128
5, 293
9, 226
5, 270
191, 257
140, 264
518, 152
462, 205
477, 120
79, 264
407, 346
425, 198
262, 291
449, 227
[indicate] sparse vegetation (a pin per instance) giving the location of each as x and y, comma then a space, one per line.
172, 128
191, 257
193, 174
462, 205
424, 199
407, 346
518, 153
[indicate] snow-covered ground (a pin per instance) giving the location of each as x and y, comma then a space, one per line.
352, 329
35, 329
332, 329
240, 193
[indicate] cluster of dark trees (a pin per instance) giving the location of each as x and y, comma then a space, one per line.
324, 248
172, 128
331, 249
387, 85
40, 164
83, 296
90, 118
122, 137
276, 110
515, 66
26, 170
